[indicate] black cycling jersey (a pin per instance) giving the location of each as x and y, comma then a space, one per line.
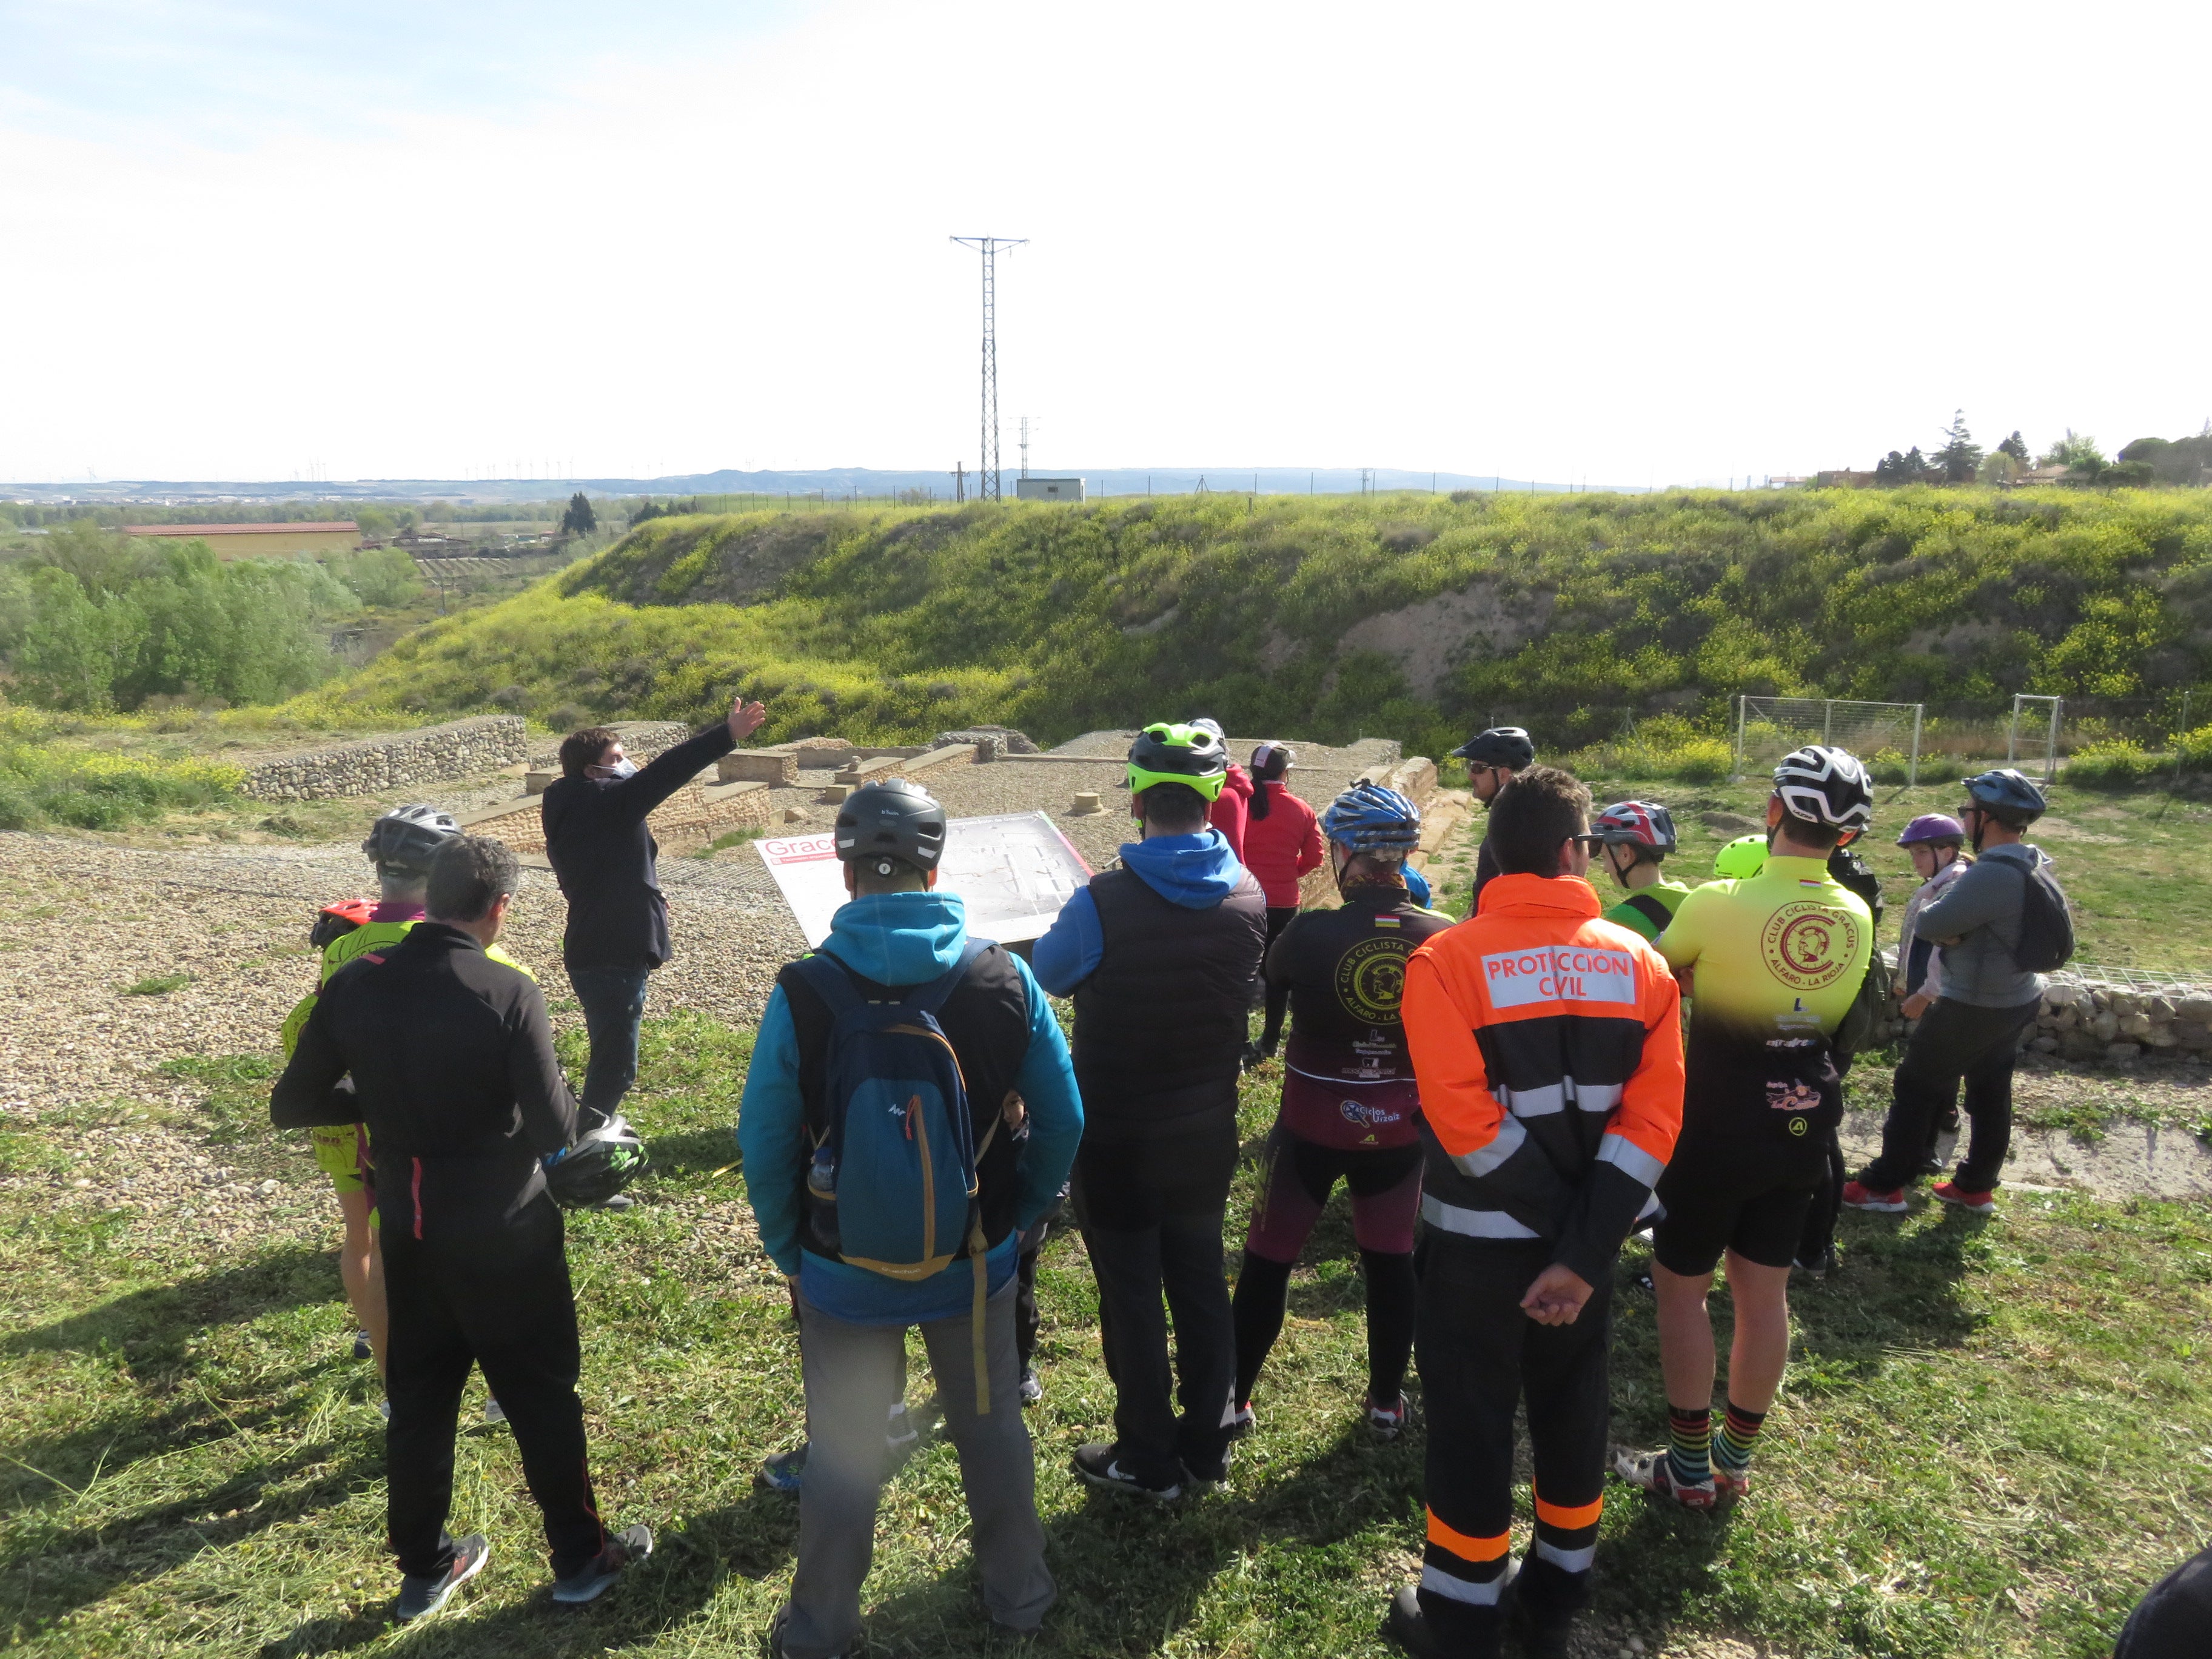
1349, 1077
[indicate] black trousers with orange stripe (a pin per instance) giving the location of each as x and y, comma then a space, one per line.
1480, 1355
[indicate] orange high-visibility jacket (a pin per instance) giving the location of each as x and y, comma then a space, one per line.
1548, 1047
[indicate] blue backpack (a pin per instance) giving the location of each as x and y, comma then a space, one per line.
892, 1183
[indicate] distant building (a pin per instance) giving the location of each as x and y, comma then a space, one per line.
1047, 489
250, 541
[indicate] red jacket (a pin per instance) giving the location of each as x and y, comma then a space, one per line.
1548, 1048
1227, 812
1283, 846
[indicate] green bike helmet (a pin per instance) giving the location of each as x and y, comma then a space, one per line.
1187, 755
1744, 856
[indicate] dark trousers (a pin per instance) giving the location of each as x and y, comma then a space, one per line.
1280, 916
613, 1000
502, 1301
1480, 1356
1152, 1214
1026, 1319
1953, 1041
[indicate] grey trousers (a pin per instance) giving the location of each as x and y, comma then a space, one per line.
853, 1374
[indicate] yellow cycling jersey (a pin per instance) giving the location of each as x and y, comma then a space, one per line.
1780, 954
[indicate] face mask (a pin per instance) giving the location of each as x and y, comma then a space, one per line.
624, 768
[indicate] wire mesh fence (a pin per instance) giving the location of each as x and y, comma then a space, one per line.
1885, 735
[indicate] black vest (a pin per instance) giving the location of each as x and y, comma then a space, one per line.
1161, 1022
987, 1019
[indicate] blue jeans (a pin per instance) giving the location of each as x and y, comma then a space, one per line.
614, 1004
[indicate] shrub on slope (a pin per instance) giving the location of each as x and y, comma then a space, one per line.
1415, 617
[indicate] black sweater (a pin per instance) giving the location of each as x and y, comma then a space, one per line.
452, 1067
603, 855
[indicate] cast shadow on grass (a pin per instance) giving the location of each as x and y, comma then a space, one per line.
151, 1330
151, 1326
697, 1152
1130, 1572
53, 1572
753, 1538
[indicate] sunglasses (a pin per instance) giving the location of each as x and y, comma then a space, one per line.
1589, 844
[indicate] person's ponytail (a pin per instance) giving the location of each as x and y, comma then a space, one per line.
1269, 762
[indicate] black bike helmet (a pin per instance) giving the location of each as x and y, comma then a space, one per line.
1189, 755
1821, 785
600, 1164
2006, 796
1636, 824
1508, 746
893, 819
404, 841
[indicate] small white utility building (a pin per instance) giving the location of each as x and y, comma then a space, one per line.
1047, 489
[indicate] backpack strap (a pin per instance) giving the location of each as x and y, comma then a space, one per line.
831, 980
929, 998
1652, 909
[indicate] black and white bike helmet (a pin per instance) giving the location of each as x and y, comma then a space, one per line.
598, 1166
1827, 786
404, 841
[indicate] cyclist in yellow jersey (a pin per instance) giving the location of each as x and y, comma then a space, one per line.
400, 846
1774, 961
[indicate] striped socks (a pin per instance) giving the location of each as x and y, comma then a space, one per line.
1732, 1441
1689, 1435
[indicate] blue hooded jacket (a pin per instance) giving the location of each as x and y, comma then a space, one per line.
895, 938
1197, 872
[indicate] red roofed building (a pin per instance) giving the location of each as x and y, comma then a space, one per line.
249, 541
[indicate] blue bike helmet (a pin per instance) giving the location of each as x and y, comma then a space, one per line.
1369, 819
2006, 796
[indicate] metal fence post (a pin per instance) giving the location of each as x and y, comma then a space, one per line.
2051, 742
1740, 702
1912, 767
1827, 719
2012, 737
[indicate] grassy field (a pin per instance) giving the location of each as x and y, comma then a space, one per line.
1994, 1437
1409, 616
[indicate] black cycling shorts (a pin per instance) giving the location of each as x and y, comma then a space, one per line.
1710, 1212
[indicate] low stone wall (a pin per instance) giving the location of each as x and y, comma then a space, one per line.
692, 816
458, 750
2085, 1018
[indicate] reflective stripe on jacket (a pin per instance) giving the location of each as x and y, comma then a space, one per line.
1548, 1047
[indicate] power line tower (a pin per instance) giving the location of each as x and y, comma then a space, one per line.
986, 471
1027, 422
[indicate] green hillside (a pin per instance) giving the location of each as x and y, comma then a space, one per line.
1407, 615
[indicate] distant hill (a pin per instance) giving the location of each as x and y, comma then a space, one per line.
827, 485
1414, 617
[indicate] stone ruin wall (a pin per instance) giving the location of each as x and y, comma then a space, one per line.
458, 750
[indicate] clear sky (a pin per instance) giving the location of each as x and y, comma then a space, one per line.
1626, 243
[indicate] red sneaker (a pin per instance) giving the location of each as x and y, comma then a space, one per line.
1857, 1197
1958, 1198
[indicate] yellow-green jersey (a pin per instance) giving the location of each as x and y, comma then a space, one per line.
1775, 957
1650, 910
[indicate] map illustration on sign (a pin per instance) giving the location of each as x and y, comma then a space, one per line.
1014, 870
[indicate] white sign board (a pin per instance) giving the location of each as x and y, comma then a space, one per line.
1013, 870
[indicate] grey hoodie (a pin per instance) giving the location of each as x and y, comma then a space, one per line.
1982, 910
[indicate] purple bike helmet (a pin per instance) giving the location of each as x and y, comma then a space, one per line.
1931, 826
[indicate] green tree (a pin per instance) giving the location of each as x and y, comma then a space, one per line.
579, 520
2015, 446
2077, 453
1961, 456
76, 647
